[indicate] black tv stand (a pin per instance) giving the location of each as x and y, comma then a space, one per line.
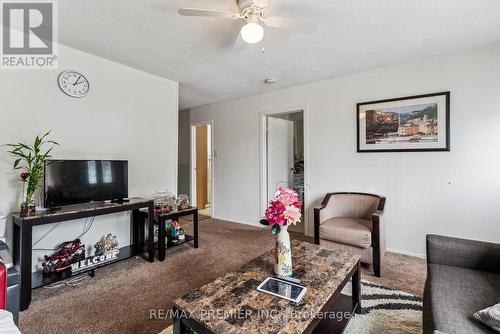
54, 209
22, 243
121, 200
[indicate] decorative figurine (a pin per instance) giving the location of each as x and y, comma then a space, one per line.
110, 243
182, 236
98, 248
173, 232
114, 242
183, 202
69, 252
164, 202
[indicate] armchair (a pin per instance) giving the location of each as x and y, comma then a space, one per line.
352, 222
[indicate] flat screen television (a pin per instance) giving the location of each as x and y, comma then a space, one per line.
70, 182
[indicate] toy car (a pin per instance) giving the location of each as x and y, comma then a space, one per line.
69, 252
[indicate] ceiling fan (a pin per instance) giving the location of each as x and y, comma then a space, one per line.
252, 11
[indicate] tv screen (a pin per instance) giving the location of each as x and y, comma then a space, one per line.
81, 181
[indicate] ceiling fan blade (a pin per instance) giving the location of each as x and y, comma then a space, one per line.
207, 13
286, 23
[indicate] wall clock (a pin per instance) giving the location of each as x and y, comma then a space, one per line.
73, 84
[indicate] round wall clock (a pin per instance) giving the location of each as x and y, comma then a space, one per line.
73, 84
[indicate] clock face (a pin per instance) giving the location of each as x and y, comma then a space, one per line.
73, 84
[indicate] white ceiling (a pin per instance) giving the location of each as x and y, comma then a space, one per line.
352, 35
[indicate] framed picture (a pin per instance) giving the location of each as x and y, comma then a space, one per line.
406, 124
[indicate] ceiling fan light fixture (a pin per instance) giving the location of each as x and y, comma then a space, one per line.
252, 32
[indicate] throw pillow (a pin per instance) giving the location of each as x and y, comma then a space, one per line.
490, 316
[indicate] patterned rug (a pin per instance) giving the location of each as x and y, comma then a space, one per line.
383, 311
386, 311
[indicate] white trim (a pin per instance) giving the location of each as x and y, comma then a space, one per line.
192, 171
253, 224
422, 256
308, 226
193, 161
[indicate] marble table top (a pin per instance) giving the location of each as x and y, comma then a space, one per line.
232, 304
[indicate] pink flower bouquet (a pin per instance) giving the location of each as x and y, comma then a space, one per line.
284, 210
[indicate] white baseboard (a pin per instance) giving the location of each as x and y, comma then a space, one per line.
397, 251
239, 222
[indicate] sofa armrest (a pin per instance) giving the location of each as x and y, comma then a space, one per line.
463, 253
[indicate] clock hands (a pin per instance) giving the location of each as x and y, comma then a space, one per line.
77, 81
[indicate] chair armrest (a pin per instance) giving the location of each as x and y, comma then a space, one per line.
317, 222
377, 215
463, 253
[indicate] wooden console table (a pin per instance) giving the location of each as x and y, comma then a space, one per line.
23, 228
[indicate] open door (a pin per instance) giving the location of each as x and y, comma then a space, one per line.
279, 154
284, 157
201, 167
202, 184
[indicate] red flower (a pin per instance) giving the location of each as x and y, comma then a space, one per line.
274, 213
24, 176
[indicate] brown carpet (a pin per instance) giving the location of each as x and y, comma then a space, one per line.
120, 297
399, 272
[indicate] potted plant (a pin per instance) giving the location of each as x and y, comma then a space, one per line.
284, 210
31, 159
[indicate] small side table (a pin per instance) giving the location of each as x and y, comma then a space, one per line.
161, 219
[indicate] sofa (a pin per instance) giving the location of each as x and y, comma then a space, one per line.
463, 277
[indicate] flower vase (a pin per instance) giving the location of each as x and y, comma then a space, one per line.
283, 253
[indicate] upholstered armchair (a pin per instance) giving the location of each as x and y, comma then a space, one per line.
352, 222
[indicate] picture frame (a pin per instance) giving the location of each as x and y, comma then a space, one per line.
419, 123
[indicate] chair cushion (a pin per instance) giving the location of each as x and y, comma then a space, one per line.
454, 294
366, 253
349, 231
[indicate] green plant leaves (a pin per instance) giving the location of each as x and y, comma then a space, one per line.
276, 229
36, 146
16, 163
32, 159
264, 222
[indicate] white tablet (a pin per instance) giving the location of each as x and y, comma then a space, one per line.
284, 289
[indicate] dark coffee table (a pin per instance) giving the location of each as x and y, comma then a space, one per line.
232, 304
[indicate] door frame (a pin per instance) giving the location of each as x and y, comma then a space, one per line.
192, 126
308, 228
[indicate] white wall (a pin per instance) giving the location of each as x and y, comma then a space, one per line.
454, 193
128, 114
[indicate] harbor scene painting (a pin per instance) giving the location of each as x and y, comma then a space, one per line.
418, 123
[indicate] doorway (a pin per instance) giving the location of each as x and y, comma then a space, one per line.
202, 168
284, 158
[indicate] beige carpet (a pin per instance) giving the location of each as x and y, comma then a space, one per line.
120, 297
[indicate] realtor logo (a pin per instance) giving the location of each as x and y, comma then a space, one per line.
29, 34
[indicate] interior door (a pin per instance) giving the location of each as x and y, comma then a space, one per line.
201, 167
279, 154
